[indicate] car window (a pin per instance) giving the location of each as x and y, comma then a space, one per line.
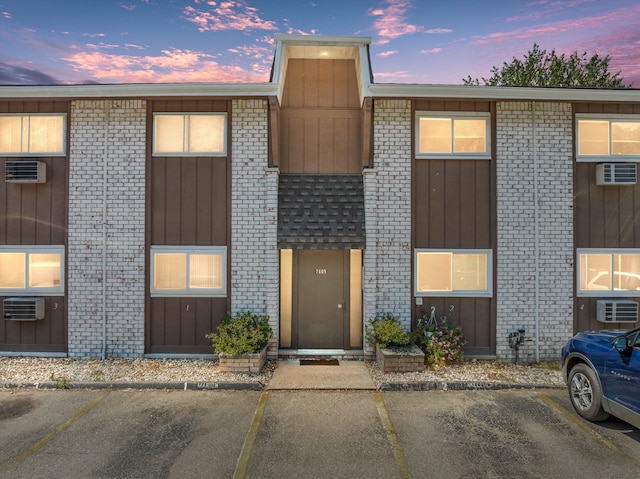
634, 340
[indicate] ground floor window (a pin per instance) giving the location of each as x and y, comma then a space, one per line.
188, 270
453, 273
611, 272
32, 269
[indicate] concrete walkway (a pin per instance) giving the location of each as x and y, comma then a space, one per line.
290, 375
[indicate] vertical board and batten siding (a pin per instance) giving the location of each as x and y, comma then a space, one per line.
187, 204
321, 118
454, 208
605, 216
36, 214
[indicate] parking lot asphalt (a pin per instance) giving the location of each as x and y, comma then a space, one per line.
314, 434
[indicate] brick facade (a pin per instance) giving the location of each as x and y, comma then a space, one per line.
106, 228
254, 216
535, 213
387, 188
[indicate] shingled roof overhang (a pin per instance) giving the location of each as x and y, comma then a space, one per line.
321, 212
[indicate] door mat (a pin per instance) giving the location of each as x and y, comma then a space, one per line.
319, 362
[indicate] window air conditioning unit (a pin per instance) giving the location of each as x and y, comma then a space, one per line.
25, 171
616, 174
23, 309
617, 311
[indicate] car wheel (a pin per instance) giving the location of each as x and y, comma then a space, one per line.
585, 393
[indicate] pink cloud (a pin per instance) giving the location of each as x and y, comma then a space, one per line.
392, 20
546, 8
392, 77
172, 66
574, 25
227, 15
622, 48
439, 30
387, 53
432, 50
297, 31
7, 15
127, 7
252, 51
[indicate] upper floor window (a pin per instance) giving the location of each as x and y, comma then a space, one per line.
188, 270
32, 270
612, 137
32, 134
184, 134
608, 272
452, 135
453, 273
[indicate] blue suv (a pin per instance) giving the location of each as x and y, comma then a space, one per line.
602, 372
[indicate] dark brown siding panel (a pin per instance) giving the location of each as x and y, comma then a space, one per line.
321, 119
188, 204
321, 84
605, 217
454, 204
188, 201
607, 108
36, 214
452, 105
454, 208
180, 324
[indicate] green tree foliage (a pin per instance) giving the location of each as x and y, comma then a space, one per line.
540, 68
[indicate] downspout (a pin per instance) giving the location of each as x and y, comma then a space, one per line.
536, 230
104, 229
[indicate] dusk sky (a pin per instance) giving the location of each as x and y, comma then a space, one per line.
412, 41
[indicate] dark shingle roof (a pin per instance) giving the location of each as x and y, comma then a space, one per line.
321, 212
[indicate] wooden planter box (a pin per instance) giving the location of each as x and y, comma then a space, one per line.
400, 361
243, 363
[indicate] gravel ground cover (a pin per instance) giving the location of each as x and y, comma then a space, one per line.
17, 370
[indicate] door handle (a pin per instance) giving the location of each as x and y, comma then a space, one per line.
340, 306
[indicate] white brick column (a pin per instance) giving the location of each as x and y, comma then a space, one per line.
106, 228
255, 283
534, 158
387, 189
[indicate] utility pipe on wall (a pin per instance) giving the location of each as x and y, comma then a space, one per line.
104, 228
536, 230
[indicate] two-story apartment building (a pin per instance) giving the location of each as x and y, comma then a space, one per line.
133, 217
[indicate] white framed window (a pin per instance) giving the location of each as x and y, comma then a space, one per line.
189, 271
608, 272
453, 135
189, 134
607, 137
34, 134
27, 270
457, 272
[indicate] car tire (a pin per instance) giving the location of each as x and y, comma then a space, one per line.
585, 393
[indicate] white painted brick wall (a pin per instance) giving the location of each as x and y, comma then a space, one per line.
387, 258
516, 212
121, 124
255, 283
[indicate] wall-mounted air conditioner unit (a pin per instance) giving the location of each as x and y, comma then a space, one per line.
23, 309
25, 171
616, 174
617, 311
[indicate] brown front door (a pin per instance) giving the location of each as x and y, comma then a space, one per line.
321, 292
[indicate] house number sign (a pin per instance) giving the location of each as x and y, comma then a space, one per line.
321, 270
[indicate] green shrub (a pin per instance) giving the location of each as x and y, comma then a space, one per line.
242, 333
386, 331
